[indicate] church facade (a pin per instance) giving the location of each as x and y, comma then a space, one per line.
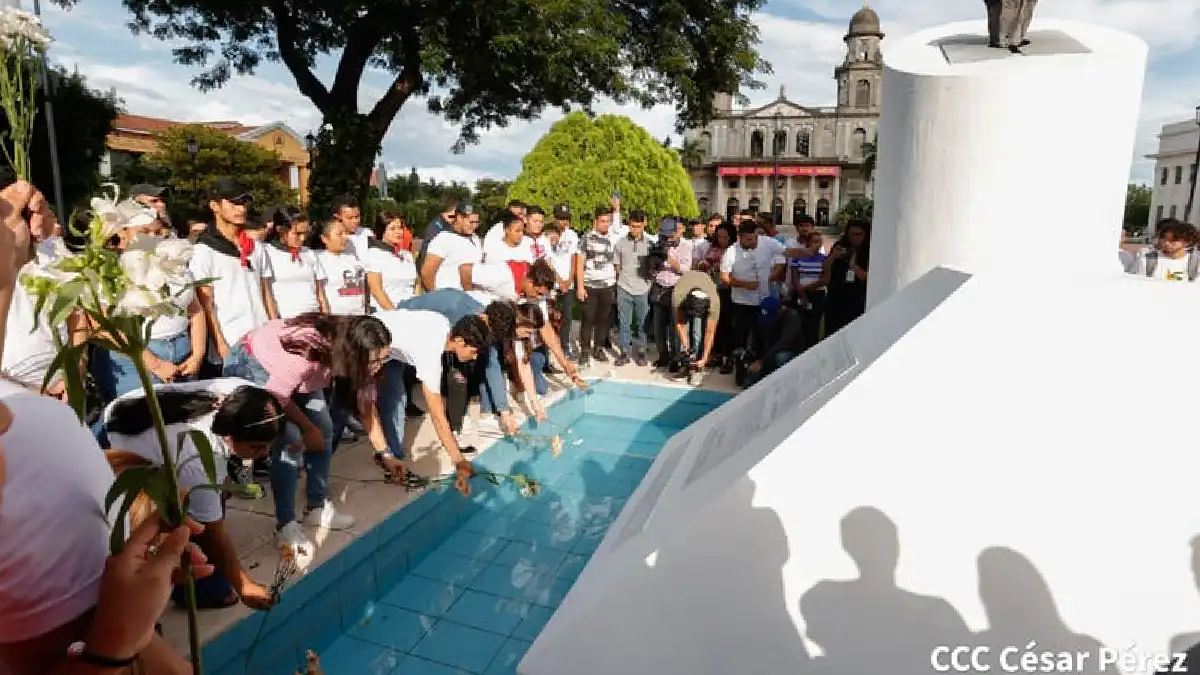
807, 160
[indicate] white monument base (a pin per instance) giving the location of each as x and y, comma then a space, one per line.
968, 478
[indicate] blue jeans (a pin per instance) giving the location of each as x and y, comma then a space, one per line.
285, 461
537, 361
116, 375
391, 399
779, 361
493, 388
632, 310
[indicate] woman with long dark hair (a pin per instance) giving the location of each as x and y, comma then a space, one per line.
525, 358
845, 276
239, 420
391, 269
297, 359
298, 285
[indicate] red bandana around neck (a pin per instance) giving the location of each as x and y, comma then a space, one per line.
295, 254
245, 247
519, 270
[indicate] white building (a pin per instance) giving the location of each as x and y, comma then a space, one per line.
817, 154
1175, 172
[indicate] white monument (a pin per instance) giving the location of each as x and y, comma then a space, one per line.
971, 475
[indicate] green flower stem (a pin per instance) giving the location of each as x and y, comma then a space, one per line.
176, 517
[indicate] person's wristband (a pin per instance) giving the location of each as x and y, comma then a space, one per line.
79, 652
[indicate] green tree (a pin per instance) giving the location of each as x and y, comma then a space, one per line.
691, 155
479, 64
491, 196
218, 155
1137, 208
82, 119
579, 160
868, 164
859, 207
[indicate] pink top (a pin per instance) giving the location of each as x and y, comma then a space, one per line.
287, 373
683, 255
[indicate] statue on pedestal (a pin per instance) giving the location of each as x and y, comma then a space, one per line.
1008, 22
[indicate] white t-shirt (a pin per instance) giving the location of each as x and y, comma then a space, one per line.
397, 271
53, 533
28, 355
497, 250
493, 281
205, 505
455, 251
359, 240
744, 265
236, 290
562, 257
295, 283
539, 246
419, 339
346, 285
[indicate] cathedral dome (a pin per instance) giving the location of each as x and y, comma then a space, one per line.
865, 22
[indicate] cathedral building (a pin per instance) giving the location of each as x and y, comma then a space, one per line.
807, 160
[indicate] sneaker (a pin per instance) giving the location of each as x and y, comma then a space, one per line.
291, 536
327, 516
640, 360
661, 363
726, 366
599, 355
621, 361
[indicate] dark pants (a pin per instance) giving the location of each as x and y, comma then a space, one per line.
566, 305
812, 318
666, 337
597, 318
840, 310
743, 329
724, 325
456, 378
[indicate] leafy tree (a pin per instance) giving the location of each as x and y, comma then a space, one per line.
580, 159
478, 63
691, 154
82, 119
1137, 208
859, 207
219, 155
868, 164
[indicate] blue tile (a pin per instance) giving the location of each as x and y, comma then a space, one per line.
535, 620
423, 596
460, 646
361, 548
406, 516
438, 566
489, 522
276, 652
523, 583
488, 612
471, 545
355, 590
412, 665
510, 655
571, 567
231, 645
392, 627
350, 655
313, 582
318, 623
391, 562
519, 552
560, 535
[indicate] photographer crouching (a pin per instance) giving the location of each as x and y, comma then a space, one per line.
669, 259
694, 302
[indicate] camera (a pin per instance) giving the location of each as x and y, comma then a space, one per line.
656, 257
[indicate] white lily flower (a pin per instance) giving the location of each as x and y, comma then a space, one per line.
143, 269
140, 301
115, 216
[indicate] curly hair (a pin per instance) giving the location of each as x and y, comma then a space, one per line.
501, 319
542, 275
473, 331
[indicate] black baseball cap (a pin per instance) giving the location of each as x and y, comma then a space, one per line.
230, 189
562, 212
146, 190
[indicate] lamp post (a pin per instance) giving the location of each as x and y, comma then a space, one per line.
310, 144
1187, 217
775, 214
193, 149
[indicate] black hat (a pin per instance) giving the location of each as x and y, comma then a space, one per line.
231, 189
464, 208
146, 190
562, 212
695, 304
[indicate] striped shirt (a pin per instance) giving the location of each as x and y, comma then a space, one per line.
599, 254
808, 269
287, 373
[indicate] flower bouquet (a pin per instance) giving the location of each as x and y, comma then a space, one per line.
118, 296
527, 486
23, 41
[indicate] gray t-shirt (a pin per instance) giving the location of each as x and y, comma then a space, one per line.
633, 277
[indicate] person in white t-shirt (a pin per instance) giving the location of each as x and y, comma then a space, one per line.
236, 266
512, 244
564, 246
347, 211
298, 285
747, 268
451, 249
346, 276
421, 340
495, 233
391, 269
1174, 257
535, 232
237, 419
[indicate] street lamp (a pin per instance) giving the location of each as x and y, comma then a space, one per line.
776, 214
193, 149
310, 144
1187, 212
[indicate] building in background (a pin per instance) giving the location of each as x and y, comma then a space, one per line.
1175, 173
134, 135
815, 155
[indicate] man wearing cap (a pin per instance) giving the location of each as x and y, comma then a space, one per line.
236, 265
151, 196
632, 254
695, 302
451, 249
782, 333
678, 260
562, 250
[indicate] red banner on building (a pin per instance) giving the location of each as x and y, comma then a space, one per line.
831, 171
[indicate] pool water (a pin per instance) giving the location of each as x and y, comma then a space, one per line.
454, 585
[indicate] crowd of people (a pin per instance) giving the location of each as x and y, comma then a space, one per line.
300, 335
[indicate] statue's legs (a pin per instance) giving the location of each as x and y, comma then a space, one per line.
1010, 25
1026, 17
993, 20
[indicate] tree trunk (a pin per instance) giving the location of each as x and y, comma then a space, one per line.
347, 146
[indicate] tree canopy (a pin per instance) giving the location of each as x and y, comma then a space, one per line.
1137, 207
479, 63
581, 160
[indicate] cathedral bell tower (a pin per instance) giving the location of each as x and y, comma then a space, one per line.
861, 73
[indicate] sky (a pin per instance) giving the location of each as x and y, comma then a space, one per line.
802, 39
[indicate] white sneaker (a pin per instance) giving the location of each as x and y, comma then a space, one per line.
329, 518
292, 538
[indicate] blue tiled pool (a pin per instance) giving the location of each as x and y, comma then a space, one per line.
454, 585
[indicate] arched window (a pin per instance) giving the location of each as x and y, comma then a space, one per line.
731, 208
862, 94
703, 203
756, 144
754, 205
780, 145
799, 210
822, 213
803, 138
857, 140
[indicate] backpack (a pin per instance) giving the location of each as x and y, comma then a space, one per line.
1193, 263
